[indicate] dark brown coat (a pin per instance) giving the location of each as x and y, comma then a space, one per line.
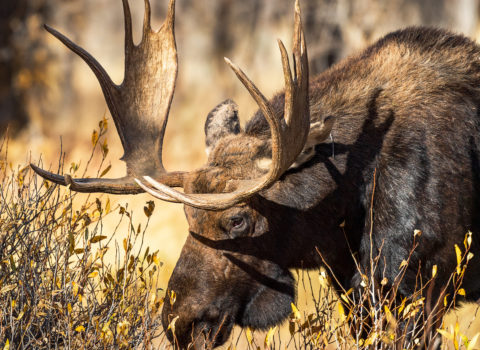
405, 108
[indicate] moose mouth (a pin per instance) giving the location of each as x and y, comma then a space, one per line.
209, 338
202, 334
265, 303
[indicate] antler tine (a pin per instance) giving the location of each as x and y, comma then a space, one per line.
123, 185
299, 48
296, 91
113, 186
288, 134
274, 122
128, 25
147, 17
104, 79
139, 106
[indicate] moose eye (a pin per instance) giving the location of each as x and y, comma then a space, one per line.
237, 222
238, 225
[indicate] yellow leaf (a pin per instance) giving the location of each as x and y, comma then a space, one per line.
155, 259
107, 206
7, 345
345, 295
12, 264
371, 338
295, 313
93, 274
464, 339
445, 334
105, 326
458, 253
434, 271
8, 288
455, 335
94, 137
97, 239
461, 291
467, 242
269, 336
103, 124
69, 308
403, 263
473, 341
75, 289
341, 311
384, 281
104, 148
249, 335
13, 303
20, 315
80, 329
323, 279
390, 318
106, 170
172, 324
173, 297
125, 245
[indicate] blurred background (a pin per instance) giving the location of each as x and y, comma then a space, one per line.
49, 98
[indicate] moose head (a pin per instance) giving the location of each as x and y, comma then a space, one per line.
232, 269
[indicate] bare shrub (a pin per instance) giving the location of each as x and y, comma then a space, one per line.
56, 287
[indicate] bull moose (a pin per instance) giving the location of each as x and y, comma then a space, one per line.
294, 187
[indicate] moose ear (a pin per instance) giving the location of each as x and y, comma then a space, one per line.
221, 121
319, 132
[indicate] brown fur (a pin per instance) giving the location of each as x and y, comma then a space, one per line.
406, 107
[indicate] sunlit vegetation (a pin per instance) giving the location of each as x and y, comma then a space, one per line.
57, 289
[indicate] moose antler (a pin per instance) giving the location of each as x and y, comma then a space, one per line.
289, 133
139, 106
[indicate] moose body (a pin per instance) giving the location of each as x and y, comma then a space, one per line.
393, 146
406, 110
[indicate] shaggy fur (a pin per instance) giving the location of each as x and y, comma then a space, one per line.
407, 108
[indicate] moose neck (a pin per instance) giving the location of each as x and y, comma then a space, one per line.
321, 206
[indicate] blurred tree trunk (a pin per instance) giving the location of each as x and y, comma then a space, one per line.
12, 101
206, 30
22, 59
334, 28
